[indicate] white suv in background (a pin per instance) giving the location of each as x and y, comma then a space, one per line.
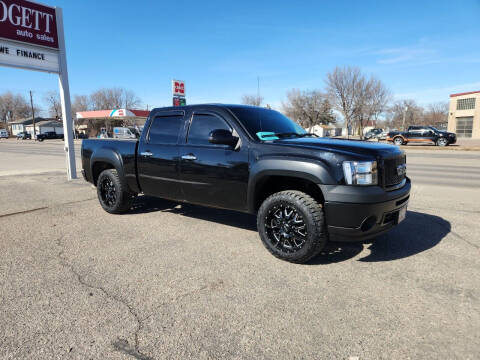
3, 134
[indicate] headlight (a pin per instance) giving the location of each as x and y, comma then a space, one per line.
360, 172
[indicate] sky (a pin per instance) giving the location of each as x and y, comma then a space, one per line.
422, 50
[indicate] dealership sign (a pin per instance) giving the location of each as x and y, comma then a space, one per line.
29, 22
32, 38
28, 36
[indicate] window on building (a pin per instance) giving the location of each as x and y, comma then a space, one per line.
466, 104
464, 126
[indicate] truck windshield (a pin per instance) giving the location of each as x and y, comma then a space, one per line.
265, 122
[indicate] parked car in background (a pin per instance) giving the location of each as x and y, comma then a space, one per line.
49, 135
125, 133
3, 134
422, 134
24, 136
378, 134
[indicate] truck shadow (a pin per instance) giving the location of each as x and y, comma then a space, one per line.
146, 204
419, 231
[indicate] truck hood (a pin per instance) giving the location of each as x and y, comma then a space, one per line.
346, 147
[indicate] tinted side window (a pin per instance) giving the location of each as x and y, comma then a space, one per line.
202, 125
165, 129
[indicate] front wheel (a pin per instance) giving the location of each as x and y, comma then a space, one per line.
113, 193
442, 142
291, 225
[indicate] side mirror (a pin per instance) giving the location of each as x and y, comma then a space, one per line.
222, 137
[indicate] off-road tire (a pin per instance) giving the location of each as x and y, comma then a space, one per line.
313, 216
124, 197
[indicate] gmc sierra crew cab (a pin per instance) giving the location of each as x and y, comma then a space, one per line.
303, 189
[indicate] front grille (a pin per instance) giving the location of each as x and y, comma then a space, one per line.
390, 174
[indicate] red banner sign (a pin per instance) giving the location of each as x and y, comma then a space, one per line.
28, 22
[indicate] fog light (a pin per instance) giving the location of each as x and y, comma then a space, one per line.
368, 223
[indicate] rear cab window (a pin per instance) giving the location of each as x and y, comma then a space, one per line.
165, 128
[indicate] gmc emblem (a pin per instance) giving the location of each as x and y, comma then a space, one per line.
401, 169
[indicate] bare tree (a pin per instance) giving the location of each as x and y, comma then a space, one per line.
255, 100
81, 103
114, 98
414, 114
52, 98
357, 97
308, 108
371, 100
436, 114
130, 99
342, 87
110, 98
378, 100
14, 107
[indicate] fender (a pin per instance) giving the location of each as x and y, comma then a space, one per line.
108, 155
307, 169
397, 135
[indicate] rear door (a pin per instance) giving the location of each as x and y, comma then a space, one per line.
215, 175
158, 156
413, 133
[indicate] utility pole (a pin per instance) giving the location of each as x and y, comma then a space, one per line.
404, 114
33, 116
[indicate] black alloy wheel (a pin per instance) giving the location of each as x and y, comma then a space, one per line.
108, 192
286, 228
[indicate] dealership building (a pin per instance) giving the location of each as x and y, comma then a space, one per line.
464, 114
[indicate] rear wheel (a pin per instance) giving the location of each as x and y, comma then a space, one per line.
398, 141
113, 193
291, 225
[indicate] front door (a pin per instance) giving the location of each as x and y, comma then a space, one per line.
158, 157
210, 174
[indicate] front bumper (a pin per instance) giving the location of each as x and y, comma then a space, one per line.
356, 214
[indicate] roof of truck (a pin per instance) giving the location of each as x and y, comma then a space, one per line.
225, 106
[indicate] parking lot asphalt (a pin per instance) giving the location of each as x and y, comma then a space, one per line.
171, 281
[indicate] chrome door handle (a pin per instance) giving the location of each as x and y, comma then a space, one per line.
146, 153
189, 157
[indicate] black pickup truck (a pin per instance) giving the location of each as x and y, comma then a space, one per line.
49, 135
305, 190
423, 135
